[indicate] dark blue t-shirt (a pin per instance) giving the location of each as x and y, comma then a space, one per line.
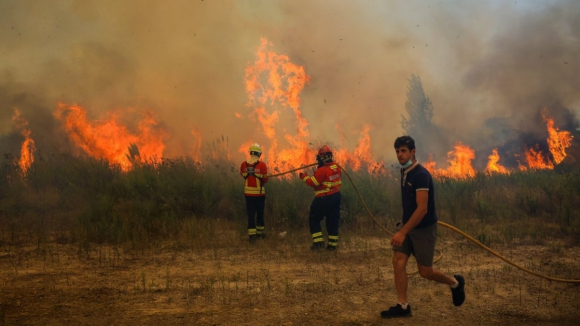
417, 178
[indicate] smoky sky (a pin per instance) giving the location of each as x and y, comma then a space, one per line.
488, 67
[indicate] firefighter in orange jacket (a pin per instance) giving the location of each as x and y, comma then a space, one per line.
255, 174
326, 182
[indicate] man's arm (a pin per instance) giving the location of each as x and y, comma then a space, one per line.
422, 201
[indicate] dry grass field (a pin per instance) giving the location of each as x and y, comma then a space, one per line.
82, 243
227, 281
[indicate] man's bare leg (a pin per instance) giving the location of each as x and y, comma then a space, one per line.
436, 275
400, 271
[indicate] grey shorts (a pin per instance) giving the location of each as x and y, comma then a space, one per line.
419, 243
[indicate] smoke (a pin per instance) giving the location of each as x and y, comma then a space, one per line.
489, 68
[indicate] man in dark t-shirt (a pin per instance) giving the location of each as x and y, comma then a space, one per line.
415, 179
417, 232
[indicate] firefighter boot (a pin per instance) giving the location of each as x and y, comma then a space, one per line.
332, 242
318, 241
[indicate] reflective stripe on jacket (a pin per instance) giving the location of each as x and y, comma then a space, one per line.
254, 184
326, 180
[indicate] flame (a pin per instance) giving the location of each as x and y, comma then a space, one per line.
283, 82
361, 156
558, 140
27, 149
110, 140
245, 148
268, 122
537, 160
459, 163
430, 164
273, 81
493, 166
460, 159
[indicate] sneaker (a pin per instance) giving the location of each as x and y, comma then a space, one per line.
397, 311
261, 236
317, 246
253, 238
331, 248
459, 292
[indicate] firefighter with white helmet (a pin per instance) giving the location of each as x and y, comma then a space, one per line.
255, 174
326, 182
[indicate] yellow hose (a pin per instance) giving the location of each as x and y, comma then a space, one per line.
470, 238
286, 172
467, 236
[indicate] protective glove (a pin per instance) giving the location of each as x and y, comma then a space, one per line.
302, 175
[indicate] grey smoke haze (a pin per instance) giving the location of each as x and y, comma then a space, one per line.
488, 66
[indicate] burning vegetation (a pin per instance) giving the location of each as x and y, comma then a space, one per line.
273, 84
27, 149
493, 165
112, 140
460, 159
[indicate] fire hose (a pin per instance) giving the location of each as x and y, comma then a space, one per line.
451, 227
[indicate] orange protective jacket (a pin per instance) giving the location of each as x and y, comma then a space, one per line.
254, 185
326, 180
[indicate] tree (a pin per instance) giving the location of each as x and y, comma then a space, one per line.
419, 109
429, 137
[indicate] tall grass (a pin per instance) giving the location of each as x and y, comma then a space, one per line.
87, 201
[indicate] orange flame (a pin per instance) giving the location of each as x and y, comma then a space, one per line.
284, 81
268, 122
493, 166
275, 81
361, 155
27, 149
536, 160
558, 140
111, 140
430, 164
459, 163
245, 148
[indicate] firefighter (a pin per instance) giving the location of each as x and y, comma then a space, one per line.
255, 174
326, 182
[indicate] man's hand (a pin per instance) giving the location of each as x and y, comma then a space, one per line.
302, 175
398, 239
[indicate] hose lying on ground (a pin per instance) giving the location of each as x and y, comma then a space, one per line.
467, 236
